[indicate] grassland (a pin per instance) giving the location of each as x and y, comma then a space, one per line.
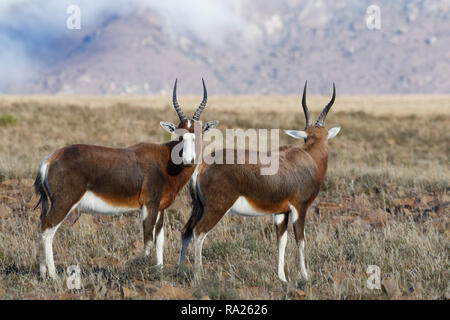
384, 202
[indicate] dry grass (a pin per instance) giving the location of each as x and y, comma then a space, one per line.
384, 202
376, 105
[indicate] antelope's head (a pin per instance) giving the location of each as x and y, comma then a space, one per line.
315, 132
188, 130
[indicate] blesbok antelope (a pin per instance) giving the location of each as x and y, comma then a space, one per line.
111, 181
240, 188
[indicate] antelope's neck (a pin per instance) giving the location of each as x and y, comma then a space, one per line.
178, 172
319, 153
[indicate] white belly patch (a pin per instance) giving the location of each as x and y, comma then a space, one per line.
91, 203
243, 208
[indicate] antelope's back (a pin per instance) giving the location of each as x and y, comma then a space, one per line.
99, 169
295, 176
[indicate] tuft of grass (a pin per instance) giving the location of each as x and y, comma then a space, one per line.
7, 120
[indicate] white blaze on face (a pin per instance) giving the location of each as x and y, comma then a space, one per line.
188, 148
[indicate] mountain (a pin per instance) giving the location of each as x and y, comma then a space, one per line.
243, 47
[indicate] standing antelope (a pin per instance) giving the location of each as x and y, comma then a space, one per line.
240, 188
111, 181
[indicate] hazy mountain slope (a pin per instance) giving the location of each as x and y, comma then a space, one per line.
256, 47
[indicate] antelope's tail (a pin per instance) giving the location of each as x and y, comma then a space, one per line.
42, 188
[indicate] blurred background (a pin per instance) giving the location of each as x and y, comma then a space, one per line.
127, 47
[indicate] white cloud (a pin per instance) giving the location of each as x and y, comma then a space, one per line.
31, 31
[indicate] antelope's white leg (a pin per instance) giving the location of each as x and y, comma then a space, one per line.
198, 246
301, 258
279, 220
159, 243
300, 242
148, 244
47, 245
42, 263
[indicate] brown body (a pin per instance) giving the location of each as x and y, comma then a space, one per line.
297, 181
241, 189
129, 178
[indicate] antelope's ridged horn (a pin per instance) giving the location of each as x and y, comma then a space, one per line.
202, 105
180, 112
323, 114
305, 107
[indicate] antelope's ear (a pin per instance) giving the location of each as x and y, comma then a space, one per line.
210, 125
296, 134
168, 126
333, 132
